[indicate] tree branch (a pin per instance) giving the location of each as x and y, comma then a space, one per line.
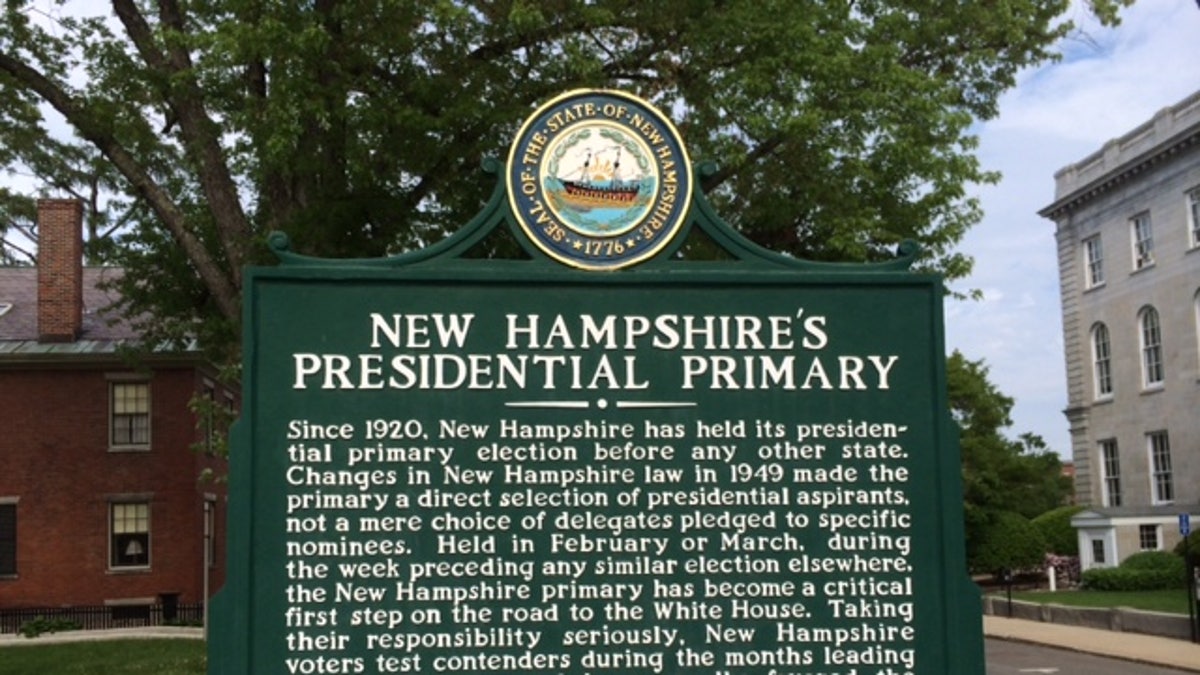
224, 290
28, 254
758, 152
198, 131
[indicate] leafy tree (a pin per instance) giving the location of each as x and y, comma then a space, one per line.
1000, 476
194, 129
1013, 543
1056, 529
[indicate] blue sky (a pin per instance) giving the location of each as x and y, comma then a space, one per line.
1109, 81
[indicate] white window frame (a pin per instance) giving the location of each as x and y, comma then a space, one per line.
119, 529
1143, 530
1141, 233
1193, 211
1110, 471
1151, 347
1162, 482
1093, 264
1102, 361
1196, 307
133, 441
1100, 560
1106, 536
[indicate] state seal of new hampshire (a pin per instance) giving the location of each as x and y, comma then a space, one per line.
599, 179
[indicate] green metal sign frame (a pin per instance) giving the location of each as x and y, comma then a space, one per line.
456, 464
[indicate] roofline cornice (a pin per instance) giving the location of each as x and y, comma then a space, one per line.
112, 359
1124, 173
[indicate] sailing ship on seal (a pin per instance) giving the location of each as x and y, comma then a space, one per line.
598, 183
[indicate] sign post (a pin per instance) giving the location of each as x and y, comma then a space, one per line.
600, 458
1185, 529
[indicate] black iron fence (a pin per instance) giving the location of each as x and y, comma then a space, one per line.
99, 617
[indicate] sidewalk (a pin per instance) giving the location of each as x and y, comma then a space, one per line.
1136, 647
151, 632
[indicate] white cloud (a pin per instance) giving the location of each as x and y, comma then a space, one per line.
1105, 86
1120, 79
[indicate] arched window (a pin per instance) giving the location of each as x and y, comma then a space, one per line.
1151, 339
1102, 361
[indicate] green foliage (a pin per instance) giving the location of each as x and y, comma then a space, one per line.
1122, 579
357, 127
110, 657
1143, 571
213, 420
1010, 542
1192, 542
1170, 601
41, 625
1108, 10
1055, 526
1000, 476
1153, 561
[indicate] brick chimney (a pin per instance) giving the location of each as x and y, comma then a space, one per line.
60, 269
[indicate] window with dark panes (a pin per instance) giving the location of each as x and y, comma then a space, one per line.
1152, 348
1160, 468
1143, 241
1102, 361
130, 545
1148, 537
8, 539
1110, 465
130, 419
1094, 253
1193, 200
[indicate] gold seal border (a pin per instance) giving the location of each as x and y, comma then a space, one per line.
683, 199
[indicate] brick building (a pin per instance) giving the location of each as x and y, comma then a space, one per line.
101, 496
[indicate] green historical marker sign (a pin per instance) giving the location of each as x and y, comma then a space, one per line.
601, 459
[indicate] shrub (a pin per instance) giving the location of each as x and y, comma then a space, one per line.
1168, 563
1145, 571
1066, 568
41, 624
1012, 543
1056, 529
1121, 579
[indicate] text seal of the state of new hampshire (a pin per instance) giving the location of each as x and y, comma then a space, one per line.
599, 180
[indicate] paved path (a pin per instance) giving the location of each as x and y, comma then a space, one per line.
1179, 654
152, 632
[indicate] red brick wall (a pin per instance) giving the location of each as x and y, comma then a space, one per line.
54, 457
60, 271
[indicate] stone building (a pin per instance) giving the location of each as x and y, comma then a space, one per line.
1128, 231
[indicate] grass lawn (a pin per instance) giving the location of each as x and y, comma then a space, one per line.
1173, 601
109, 657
